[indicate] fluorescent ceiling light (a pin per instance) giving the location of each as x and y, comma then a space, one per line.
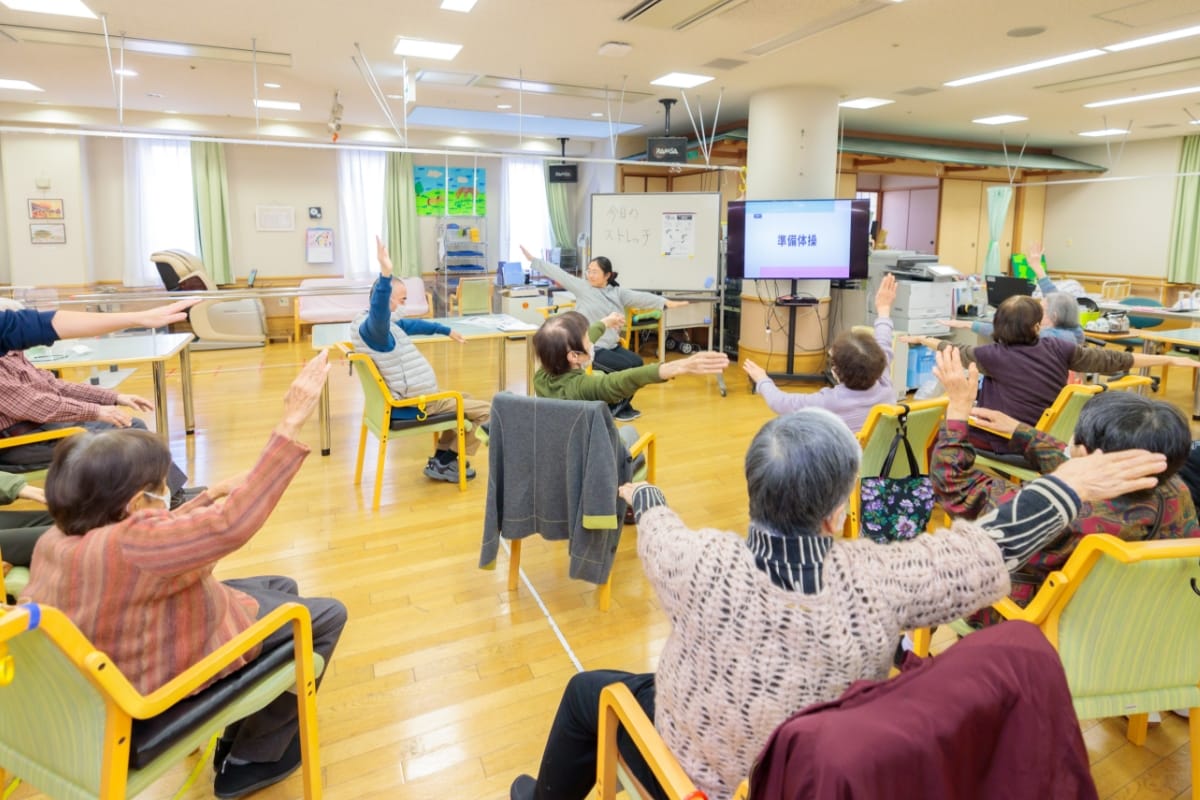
1017, 70
681, 80
24, 86
597, 113
278, 105
128, 73
999, 119
865, 102
1158, 38
270, 85
504, 106
458, 5
1139, 98
64, 8
422, 48
1105, 132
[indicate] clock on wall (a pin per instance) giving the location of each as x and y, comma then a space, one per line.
314, 212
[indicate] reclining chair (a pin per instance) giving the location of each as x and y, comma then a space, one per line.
218, 324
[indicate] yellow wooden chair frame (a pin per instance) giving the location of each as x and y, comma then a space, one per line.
471, 296
39, 436
378, 403
619, 709
122, 703
646, 444
655, 324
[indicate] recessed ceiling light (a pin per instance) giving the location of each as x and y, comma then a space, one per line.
170, 111
681, 80
270, 85
155, 95
1139, 98
65, 8
1105, 132
24, 86
865, 102
999, 119
462, 6
128, 73
1158, 38
422, 48
278, 105
614, 49
597, 113
504, 106
1017, 70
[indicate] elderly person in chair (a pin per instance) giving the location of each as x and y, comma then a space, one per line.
1109, 422
764, 625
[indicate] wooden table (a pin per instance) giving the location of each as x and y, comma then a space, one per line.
1156, 341
492, 327
106, 351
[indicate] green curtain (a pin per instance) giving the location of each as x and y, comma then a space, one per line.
998, 198
560, 212
210, 187
1183, 256
400, 212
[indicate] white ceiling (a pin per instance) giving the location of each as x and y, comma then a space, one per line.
883, 49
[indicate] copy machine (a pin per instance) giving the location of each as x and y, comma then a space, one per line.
925, 290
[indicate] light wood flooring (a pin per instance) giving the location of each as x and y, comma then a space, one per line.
445, 683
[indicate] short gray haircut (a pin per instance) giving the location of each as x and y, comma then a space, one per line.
800, 467
1062, 309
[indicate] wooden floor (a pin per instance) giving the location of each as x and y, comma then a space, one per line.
444, 683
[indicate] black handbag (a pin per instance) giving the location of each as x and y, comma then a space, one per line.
896, 509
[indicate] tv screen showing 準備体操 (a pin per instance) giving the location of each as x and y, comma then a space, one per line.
797, 239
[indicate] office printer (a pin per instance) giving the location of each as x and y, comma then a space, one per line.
925, 289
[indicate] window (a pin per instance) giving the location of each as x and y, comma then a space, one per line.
525, 216
360, 210
160, 208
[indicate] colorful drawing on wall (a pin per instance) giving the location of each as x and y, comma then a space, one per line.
48, 233
464, 187
319, 243
45, 208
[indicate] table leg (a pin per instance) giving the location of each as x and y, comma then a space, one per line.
1195, 397
323, 410
529, 365
185, 376
159, 370
503, 340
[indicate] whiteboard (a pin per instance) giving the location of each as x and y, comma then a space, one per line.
660, 241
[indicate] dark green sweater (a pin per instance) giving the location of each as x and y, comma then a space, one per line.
610, 387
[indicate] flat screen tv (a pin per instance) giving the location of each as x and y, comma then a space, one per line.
797, 239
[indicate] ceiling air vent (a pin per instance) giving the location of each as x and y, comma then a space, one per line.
676, 15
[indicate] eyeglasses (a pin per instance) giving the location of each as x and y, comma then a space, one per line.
165, 499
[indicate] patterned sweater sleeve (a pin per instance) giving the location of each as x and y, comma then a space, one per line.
962, 489
669, 551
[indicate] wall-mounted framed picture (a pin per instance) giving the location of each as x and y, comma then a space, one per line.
45, 208
48, 233
275, 218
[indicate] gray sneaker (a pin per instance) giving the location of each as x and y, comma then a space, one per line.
445, 472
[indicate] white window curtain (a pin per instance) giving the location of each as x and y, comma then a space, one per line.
524, 214
160, 206
360, 210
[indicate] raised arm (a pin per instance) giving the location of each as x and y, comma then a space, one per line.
376, 328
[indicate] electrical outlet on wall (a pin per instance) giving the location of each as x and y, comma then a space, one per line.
283, 301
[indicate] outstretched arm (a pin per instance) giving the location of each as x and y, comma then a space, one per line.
74, 324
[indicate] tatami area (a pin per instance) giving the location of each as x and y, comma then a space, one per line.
444, 683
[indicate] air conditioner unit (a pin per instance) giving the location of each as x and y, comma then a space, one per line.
677, 14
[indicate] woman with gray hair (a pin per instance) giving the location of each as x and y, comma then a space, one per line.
789, 615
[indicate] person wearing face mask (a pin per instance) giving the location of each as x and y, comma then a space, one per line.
860, 360
1109, 422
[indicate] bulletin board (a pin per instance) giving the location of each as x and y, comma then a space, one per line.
660, 241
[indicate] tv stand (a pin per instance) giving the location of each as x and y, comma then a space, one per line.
792, 302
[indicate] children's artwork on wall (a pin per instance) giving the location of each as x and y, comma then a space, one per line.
48, 233
457, 191
320, 245
45, 208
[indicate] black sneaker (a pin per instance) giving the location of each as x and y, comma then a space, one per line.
523, 788
236, 780
445, 472
626, 413
220, 753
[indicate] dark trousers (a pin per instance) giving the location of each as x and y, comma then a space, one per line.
264, 735
568, 769
32, 457
19, 532
616, 359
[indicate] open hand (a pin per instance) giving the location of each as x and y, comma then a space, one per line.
625, 491
303, 394
954, 323
528, 255
385, 260
675, 303
885, 295
961, 387
1103, 476
115, 416
755, 372
457, 337
134, 402
994, 420
615, 320
164, 315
